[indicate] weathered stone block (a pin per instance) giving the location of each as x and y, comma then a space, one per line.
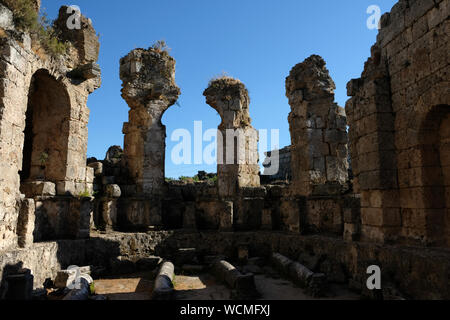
266, 219
351, 231
227, 216
25, 224
381, 217
89, 175
189, 216
38, 188
112, 191
98, 168
6, 18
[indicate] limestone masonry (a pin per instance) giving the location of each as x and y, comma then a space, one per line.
58, 208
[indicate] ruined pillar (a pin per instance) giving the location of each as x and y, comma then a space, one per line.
318, 131
237, 143
149, 88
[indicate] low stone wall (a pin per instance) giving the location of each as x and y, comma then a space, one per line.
415, 272
62, 218
199, 207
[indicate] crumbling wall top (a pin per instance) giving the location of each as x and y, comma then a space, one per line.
230, 98
148, 75
226, 88
312, 77
83, 37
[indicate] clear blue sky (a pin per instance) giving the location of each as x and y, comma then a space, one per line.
257, 41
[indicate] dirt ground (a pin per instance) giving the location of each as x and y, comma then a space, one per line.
130, 287
205, 287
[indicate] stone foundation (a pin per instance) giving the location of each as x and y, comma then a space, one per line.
399, 120
403, 267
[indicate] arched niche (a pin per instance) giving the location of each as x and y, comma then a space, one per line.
435, 177
46, 133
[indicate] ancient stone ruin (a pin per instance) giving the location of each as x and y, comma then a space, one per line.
318, 130
315, 226
149, 89
238, 147
43, 137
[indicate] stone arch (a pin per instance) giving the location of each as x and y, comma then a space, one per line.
46, 133
435, 174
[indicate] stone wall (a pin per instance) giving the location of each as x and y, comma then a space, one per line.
398, 115
410, 271
318, 130
399, 138
57, 118
198, 206
283, 157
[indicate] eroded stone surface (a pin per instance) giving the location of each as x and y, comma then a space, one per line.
237, 155
399, 139
43, 120
318, 130
149, 88
398, 113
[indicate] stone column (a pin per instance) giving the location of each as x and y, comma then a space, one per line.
149, 88
318, 131
237, 143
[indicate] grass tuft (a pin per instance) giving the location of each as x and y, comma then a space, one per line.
27, 19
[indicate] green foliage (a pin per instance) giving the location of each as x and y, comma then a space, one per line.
25, 16
92, 288
245, 122
28, 20
211, 179
84, 194
118, 155
49, 38
174, 282
43, 157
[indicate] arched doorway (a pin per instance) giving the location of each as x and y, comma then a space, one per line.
46, 131
435, 135
444, 150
